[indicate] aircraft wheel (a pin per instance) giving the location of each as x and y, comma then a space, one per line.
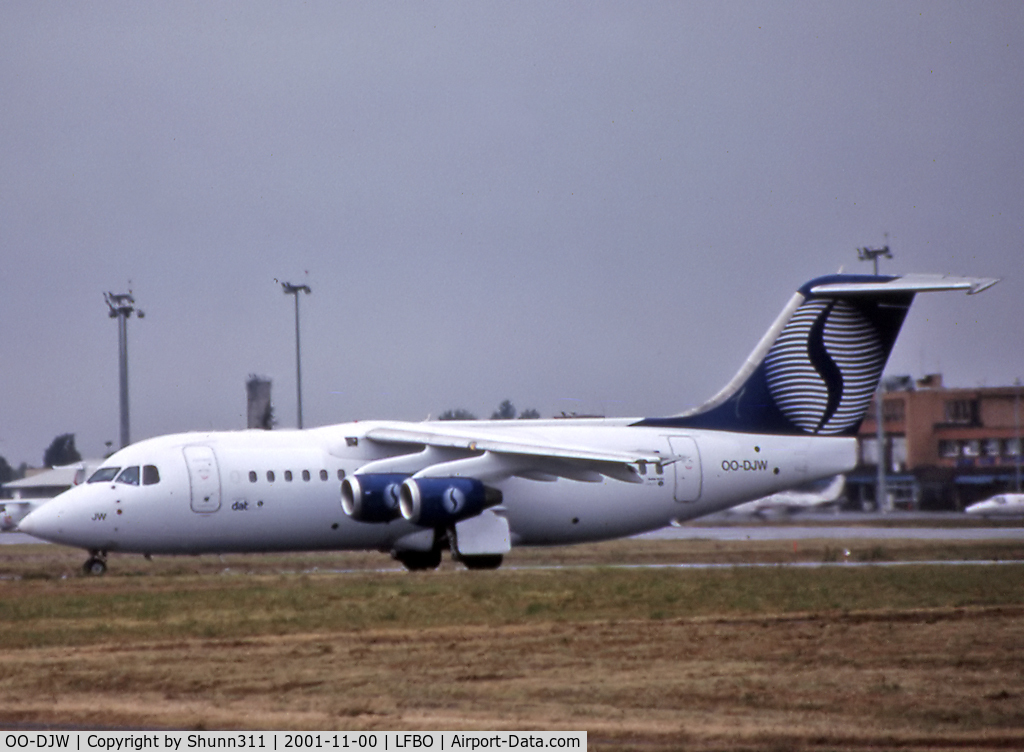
94, 566
418, 561
484, 561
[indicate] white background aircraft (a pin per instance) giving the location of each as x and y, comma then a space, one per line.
477, 488
31, 493
1000, 505
812, 496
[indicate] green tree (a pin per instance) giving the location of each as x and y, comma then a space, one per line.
529, 414
457, 414
6, 471
506, 411
61, 451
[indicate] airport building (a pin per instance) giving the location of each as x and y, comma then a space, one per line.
943, 448
47, 482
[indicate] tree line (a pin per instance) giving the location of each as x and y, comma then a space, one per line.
62, 451
506, 411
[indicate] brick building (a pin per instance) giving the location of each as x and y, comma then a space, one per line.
944, 448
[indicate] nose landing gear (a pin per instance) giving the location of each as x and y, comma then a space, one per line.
96, 564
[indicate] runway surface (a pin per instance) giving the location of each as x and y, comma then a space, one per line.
17, 539
841, 532
844, 529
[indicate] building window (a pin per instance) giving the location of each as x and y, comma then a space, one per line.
893, 410
962, 412
949, 448
992, 447
898, 453
869, 451
972, 448
1013, 447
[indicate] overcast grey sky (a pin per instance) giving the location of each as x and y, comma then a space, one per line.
593, 206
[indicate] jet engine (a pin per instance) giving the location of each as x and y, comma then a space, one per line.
438, 502
373, 497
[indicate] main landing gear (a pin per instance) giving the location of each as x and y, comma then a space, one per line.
418, 561
482, 561
96, 564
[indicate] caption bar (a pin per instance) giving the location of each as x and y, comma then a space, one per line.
287, 741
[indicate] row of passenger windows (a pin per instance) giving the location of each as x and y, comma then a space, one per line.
150, 475
130, 475
271, 476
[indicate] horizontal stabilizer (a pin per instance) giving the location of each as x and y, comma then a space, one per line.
912, 283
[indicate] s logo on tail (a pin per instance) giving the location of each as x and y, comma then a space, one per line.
823, 368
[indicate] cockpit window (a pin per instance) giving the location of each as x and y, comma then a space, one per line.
104, 474
150, 475
130, 476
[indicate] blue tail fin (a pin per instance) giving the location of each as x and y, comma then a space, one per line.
816, 369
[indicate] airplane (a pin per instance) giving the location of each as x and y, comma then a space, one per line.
12, 512
477, 488
1000, 505
811, 496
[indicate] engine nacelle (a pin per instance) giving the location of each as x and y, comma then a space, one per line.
373, 497
438, 502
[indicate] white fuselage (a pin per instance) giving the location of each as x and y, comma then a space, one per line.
280, 490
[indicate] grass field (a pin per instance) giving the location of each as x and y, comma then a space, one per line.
918, 656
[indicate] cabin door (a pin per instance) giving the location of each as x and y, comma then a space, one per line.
204, 478
687, 467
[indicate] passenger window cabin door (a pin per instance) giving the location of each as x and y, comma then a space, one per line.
204, 478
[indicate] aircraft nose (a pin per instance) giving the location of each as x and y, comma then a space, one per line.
41, 523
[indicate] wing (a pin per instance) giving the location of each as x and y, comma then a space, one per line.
489, 454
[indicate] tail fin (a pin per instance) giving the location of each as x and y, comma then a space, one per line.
817, 368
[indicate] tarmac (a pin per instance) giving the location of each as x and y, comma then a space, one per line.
841, 526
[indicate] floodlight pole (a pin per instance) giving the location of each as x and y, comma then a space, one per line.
872, 254
881, 490
121, 307
1016, 426
290, 289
